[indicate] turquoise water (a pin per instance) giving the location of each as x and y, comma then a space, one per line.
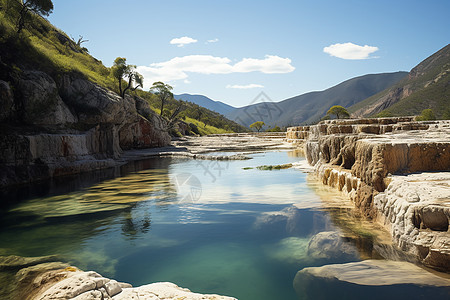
210, 226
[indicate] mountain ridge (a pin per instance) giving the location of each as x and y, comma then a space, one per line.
426, 86
310, 107
206, 102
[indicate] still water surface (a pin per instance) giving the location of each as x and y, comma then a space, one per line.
211, 226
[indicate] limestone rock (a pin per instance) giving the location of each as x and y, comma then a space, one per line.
91, 295
370, 279
330, 245
82, 127
164, 290
41, 102
92, 286
70, 287
94, 104
370, 159
112, 288
415, 208
6, 101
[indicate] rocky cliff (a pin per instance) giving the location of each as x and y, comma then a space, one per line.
369, 159
66, 124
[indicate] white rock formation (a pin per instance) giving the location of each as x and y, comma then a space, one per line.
370, 279
81, 285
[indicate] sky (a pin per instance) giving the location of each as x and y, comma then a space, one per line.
231, 51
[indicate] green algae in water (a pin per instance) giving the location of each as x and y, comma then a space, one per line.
275, 167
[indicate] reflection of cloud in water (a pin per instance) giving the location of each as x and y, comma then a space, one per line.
289, 250
291, 220
267, 194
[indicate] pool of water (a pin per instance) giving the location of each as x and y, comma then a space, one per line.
211, 226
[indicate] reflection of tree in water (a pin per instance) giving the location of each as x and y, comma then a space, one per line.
136, 222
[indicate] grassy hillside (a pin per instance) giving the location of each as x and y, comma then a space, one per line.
208, 121
41, 46
427, 86
217, 106
44, 47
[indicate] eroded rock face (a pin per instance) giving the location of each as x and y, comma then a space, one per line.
359, 156
6, 101
370, 279
40, 100
69, 127
95, 105
415, 208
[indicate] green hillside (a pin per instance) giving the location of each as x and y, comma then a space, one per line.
427, 86
41, 46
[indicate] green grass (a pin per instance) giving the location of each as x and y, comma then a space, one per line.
205, 130
436, 96
38, 46
41, 46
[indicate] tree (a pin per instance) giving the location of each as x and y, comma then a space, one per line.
258, 125
121, 71
339, 111
426, 115
163, 91
40, 7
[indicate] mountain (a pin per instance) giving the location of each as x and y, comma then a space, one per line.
426, 86
206, 102
310, 107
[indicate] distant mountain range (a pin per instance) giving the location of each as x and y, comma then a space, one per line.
217, 106
388, 94
426, 86
311, 107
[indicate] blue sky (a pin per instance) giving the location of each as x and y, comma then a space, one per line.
232, 50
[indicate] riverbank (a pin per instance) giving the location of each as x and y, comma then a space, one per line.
369, 160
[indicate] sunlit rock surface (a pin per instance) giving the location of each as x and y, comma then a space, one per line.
44, 278
67, 126
370, 279
366, 160
416, 208
90, 285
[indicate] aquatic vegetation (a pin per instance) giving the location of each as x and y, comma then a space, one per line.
274, 167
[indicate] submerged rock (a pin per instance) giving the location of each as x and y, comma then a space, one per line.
14, 262
330, 245
370, 279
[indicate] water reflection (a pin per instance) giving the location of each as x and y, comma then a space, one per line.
246, 235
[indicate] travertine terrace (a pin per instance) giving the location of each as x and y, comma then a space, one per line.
395, 170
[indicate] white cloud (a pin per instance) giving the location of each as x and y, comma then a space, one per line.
248, 86
212, 41
187, 81
180, 42
350, 51
178, 67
